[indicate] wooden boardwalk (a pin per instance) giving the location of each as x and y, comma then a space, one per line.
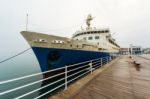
122, 81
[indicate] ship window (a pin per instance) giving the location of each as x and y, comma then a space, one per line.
95, 31
92, 32
88, 32
90, 38
106, 31
96, 37
102, 31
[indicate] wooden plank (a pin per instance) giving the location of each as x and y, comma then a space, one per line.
122, 81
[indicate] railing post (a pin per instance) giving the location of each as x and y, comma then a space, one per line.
101, 62
66, 83
107, 59
110, 58
90, 66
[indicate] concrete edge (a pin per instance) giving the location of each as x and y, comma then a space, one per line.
78, 85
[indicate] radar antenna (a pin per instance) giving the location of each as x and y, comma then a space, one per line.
88, 20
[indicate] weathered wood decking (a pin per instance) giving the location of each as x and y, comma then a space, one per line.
122, 81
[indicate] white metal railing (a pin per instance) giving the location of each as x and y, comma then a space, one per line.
28, 76
69, 73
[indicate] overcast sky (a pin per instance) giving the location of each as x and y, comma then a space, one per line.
128, 20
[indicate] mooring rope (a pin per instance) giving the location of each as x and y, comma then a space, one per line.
9, 58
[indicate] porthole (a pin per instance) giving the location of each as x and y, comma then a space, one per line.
90, 38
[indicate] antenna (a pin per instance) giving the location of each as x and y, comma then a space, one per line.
27, 22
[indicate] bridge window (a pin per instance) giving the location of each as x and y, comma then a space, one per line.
90, 38
102, 31
106, 31
96, 37
95, 31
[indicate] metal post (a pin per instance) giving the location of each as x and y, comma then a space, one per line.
107, 59
101, 62
110, 58
90, 66
66, 78
131, 49
27, 22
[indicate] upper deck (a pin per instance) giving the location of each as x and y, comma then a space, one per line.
99, 36
90, 31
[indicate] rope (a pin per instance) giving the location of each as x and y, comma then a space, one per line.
9, 58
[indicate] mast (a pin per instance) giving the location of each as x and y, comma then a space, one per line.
88, 21
27, 22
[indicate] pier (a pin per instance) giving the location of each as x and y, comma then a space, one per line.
121, 79
115, 77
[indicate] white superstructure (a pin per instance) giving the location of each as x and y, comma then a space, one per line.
100, 37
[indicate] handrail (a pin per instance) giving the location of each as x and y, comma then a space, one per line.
50, 91
39, 89
77, 68
60, 86
78, 63
17, 88
90, 66
78, 76
95, 62
77, 73
23, 77
19, 78
95, 65
83, 62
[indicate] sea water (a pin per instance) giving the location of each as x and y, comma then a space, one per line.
22, 65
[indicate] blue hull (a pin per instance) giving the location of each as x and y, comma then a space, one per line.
51, 58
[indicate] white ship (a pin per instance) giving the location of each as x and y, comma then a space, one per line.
87, 44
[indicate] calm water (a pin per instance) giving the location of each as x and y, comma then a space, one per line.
22, 65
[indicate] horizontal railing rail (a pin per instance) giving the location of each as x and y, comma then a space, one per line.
24, 77
76, 68
66, 75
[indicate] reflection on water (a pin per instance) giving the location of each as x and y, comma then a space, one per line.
22, 65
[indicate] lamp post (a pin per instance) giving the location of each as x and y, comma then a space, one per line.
130, 50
